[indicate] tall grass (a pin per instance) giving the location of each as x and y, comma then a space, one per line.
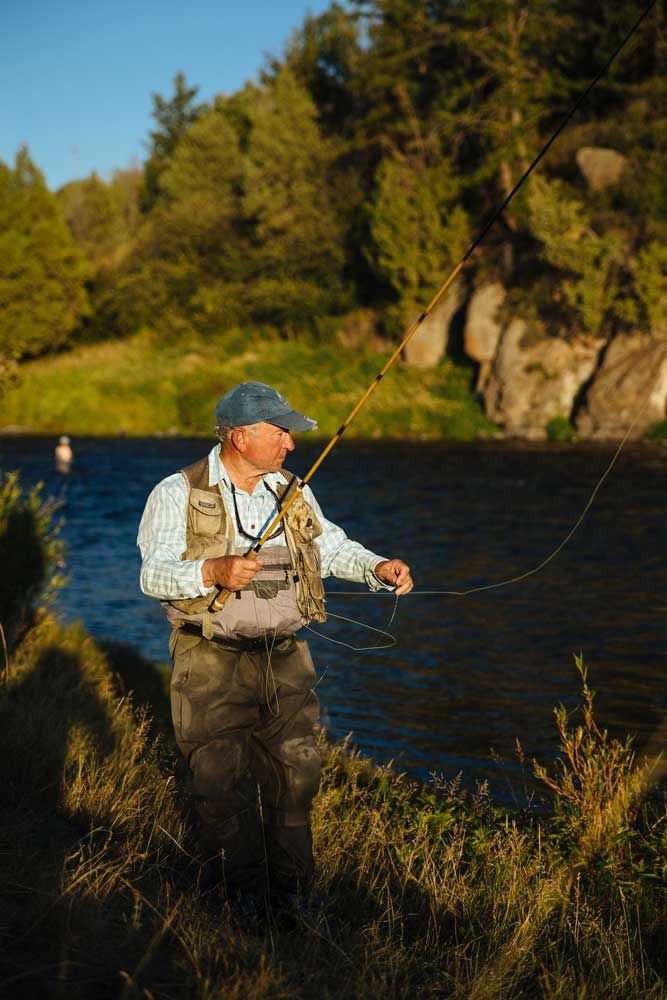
140, 386
430, 891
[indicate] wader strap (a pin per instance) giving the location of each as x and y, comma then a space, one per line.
206, 625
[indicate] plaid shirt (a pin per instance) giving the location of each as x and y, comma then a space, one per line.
162, 542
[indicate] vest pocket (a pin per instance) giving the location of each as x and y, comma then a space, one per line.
206, 513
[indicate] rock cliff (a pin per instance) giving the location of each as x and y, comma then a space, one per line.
532, 382
526, 380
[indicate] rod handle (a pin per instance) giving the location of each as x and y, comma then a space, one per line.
222, 595
220, 599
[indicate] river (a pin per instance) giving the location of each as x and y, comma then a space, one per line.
470, 676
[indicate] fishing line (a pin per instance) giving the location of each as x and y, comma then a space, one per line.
370, 628
552, 555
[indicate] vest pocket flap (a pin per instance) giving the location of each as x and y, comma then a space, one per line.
303, 522
206, 512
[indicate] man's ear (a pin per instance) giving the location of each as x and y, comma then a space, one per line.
239, 438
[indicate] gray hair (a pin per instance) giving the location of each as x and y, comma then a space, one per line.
224, 431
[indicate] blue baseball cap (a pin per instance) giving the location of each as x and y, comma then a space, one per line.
254, 402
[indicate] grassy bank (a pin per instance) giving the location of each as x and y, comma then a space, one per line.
138, 386
430, 892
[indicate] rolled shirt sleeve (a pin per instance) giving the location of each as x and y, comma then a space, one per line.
161, 539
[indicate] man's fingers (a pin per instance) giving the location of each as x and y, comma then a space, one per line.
404, 582
246, 569
397, 574
250, 565
235, 572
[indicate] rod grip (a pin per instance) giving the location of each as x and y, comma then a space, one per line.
222, 595
220, 599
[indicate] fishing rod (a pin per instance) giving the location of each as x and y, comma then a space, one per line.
296, 487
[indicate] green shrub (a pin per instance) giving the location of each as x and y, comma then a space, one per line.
30, 554
657, 431
560, 429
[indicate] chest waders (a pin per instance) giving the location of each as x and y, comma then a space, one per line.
243, 704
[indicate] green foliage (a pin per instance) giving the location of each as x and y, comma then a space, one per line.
418, 230
658, 431
514, 71
649, 269
92, 216
30, 554
42, 294
9, 374
297, 222
325, 55
596, 786
560, 429
587, 263
173, 117
352, 175
189, 264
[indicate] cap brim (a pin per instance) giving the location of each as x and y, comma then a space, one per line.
293, 421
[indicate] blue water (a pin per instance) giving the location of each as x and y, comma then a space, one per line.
468, 676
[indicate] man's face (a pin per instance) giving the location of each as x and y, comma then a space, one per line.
265, 446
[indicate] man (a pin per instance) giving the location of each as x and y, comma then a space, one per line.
243, 704
63, 454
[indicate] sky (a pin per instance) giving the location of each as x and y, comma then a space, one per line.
76, 76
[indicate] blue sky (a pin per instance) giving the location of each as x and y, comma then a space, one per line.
76, 76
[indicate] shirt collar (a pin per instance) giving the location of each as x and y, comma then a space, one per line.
217, 473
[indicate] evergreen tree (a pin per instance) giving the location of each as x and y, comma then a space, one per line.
173, 118
586, 263
325, 56
649, 271
104, 220
297, 216
189, 261
93, 216
410, 62
418, 227
42, 275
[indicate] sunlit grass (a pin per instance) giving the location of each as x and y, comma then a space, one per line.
431, 891
138, 386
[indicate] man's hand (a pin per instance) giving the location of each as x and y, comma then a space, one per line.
230, 572
396, 573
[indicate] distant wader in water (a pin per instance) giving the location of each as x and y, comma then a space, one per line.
64, 455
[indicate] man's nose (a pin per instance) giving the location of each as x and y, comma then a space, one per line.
288, 441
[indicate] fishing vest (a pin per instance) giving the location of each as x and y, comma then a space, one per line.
286, 593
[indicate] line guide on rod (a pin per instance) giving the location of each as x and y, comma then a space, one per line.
222, 595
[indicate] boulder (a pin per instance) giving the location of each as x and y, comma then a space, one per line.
600, 166
629, 389
483, 328
531, 382
429, 344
